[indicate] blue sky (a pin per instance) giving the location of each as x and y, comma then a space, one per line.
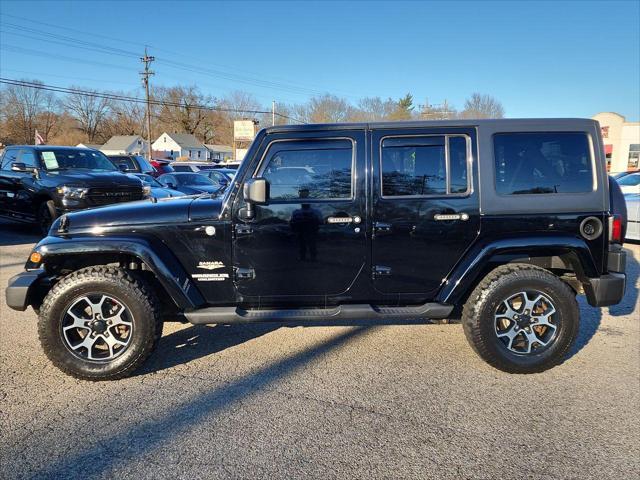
538, 58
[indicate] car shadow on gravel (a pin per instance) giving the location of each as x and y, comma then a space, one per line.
138, 440
197, 341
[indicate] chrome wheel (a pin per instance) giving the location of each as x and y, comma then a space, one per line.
97, 327
526, 323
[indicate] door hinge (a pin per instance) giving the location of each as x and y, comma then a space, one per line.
242, 229
245, 273
381, 271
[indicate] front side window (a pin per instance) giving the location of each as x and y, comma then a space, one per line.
318, 169
28, 158
542, 163
417, 166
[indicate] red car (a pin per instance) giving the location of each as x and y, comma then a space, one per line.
161, 167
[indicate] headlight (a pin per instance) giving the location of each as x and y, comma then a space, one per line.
68, 191
146, 190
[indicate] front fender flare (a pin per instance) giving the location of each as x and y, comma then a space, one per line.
466, 273
155, 255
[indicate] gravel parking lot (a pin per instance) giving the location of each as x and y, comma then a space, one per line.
288, 401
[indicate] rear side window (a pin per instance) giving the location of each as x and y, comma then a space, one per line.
542, 163
124, 160
318, 169
417, 166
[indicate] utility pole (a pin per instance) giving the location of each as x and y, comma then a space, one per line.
145, 81
273, 112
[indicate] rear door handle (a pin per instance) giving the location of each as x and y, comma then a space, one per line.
381, 227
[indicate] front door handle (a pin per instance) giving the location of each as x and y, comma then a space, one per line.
339, 219
442, 217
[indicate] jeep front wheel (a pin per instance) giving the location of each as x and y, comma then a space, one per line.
99, 323
521, 319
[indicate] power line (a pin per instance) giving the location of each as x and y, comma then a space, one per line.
127, 98
286, 86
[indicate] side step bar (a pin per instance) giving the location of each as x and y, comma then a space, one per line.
432, 311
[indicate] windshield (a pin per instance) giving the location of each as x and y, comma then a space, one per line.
193, 179
630, 180
61, 159
149, 180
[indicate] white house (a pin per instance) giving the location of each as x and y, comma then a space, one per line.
219, 153
125, 145
95, 146
179, 145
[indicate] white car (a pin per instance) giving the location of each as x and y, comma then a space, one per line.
633, 216
630, 183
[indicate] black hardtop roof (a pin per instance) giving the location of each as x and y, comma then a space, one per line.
521, 122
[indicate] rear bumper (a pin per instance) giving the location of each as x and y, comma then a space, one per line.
608, 289
605, 290
21, 287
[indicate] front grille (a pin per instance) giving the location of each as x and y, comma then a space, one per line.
105, 195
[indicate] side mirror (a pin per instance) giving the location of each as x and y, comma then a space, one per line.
123, 167
256, 191
20, 167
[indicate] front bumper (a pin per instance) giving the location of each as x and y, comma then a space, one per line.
21, 288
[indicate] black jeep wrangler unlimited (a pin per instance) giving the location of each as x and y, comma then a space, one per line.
38, 184
506, 219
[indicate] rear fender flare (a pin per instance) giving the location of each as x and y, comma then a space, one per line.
467, 272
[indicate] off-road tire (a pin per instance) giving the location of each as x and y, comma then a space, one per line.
478, 317
45, 216
131, 291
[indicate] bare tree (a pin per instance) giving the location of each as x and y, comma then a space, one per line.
126, 118
23, 110
182, 109
372, 109
482, 106
90, 111
325, 109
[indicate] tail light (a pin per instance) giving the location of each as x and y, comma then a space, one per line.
615, 229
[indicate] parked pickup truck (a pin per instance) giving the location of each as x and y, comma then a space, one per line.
504, 221
40, 183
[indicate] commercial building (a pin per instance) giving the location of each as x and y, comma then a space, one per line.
621, 142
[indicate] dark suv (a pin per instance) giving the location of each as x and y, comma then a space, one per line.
38, 184
504, 221
132, 164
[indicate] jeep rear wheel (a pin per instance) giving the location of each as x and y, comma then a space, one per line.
99, 323
521, 319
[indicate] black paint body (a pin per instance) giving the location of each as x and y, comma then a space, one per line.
290, 255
